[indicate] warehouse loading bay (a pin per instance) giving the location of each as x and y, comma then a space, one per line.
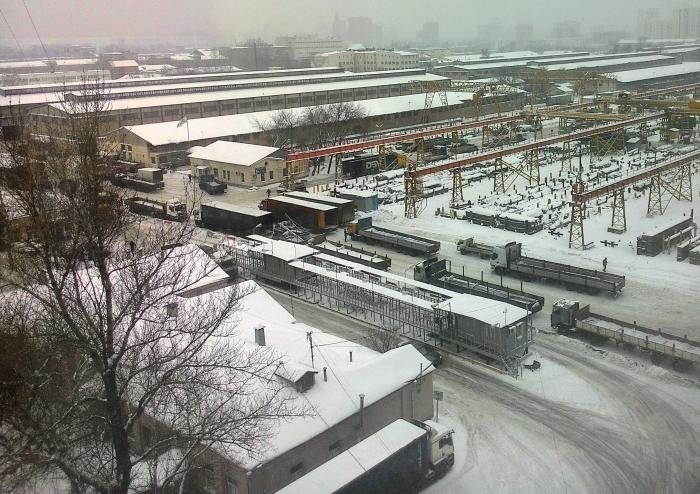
584, 410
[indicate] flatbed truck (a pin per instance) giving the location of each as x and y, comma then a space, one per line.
391, 238
435, 272
508, 259
569, 315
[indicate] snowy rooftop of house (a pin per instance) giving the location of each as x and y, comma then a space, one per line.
370, 373
365, 455
236, 153
161, 133
235, 208
657, 72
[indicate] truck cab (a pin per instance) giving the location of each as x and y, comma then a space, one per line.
441, 447
176, 208
565, 313
503, 255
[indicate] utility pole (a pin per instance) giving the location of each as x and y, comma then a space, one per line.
311, 347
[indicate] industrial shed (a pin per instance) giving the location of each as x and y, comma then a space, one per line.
312, 215
346, 207
231, 218
237, 163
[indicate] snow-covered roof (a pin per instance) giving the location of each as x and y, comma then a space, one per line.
161, 133
357, 192
484, 310
657, 72
235, 208
373, 374
306, 203
606, 62
256, 88
236, 153
347, 466
319, 197
286, 251
123, 63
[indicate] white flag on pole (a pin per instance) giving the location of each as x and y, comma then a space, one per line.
182, 122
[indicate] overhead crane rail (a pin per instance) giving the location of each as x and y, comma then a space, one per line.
631, 179
611, 117
661, 192
390, 139
543, 143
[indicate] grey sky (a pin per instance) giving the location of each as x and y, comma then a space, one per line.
236, 20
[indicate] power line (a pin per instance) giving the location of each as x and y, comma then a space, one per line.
12, 33
46, 53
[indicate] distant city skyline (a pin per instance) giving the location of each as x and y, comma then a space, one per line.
224, 22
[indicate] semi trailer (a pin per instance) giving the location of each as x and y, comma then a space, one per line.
363, 230
402, 457
568, 315
435, 272
508, 259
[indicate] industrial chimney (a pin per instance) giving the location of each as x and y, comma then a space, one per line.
260, 335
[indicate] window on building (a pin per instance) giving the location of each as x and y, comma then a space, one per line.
272, 175
153, 160
123, 147
128, 147
242, 177
216, 172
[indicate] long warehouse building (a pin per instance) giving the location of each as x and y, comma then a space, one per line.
203, 97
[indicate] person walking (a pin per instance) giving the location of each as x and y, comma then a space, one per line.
605, 264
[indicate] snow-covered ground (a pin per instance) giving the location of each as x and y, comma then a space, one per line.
659, 293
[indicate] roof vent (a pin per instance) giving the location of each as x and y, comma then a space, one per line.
260, 335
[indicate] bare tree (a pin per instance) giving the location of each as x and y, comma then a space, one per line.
282, 127
382, 340
112, 372
330, 124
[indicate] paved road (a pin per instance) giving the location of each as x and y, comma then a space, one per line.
643, 436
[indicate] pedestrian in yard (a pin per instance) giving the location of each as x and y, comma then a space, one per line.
605, 264
268, 193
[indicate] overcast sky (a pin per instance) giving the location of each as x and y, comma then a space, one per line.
237, 20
